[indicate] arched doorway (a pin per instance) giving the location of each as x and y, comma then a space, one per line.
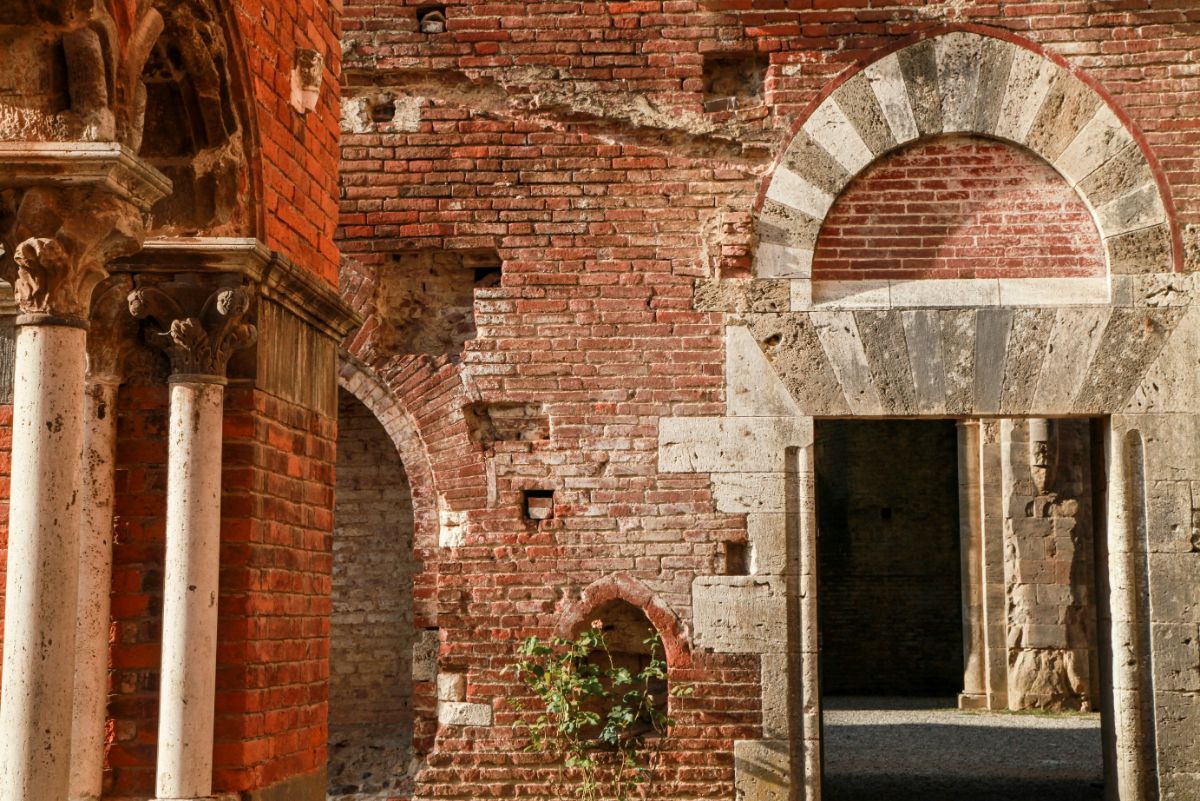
371, 624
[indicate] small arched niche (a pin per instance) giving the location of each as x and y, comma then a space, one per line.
633, 644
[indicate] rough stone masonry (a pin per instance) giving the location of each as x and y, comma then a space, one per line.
582, 281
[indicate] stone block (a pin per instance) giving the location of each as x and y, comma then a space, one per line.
859, 294
923, 336
772, 260
740, 614
1170, 519
1102, 138
784, 225
995, 57
887, 84
843, 346
792, 350
958, 60
770, 541
1178, 737
918, 65
991, 347
752, 386
794, 190
1069, 106
1076, 334
729, 444
781, 695
886, 350
805, 157
1141, 208
1121, 174
1174, 579
462, 714
829, 127
451, 687
424, 655
1027, 340
861, 107
1029, 80
738, 493
1131, 342
762, 770
1143, 251
1176, 651
958, 330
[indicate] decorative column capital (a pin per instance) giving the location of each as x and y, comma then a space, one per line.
199, 345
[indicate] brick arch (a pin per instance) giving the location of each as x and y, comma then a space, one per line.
361, 381
622, 587
965, 82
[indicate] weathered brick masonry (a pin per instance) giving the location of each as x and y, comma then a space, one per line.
572, 139
609, 257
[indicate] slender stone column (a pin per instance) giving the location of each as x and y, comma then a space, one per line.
199, 346
110, 337
974, 693
55, 249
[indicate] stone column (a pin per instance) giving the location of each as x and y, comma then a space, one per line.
110, 337
1134, 729
199, 344
974, 693
995, 596
57, 245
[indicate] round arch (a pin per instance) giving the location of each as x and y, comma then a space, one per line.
623, 587
969, 82
360, 381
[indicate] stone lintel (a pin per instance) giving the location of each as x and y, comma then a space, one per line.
82, 164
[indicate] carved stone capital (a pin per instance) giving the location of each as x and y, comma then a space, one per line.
112, 343
65, 213
199, 331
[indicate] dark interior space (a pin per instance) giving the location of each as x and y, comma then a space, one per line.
888, 546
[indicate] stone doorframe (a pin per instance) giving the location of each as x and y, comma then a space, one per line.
1134, 363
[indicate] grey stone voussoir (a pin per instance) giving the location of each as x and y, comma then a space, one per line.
918, 63
991, 349
1123, 173
887, 359
1069, 106
958, 78
791, 345
1027, 341
995, 62
1131, 342
808, 159
1146, 250
858, 102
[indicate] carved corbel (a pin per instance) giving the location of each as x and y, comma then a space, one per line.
199, 345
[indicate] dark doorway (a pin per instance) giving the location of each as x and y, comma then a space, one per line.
890, 585
902, 538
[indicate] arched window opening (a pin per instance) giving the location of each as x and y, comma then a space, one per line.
634, 645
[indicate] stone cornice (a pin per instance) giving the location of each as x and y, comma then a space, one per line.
105, 165
277, 277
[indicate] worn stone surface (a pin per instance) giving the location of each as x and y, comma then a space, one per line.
762, 770
887, 83
858, 102
1029, 81
805, 157
1027, 343
1118, 176
959, 62
958, 332
886, 349
1142, 251
923, 336
721, 444
1131, 341
991, 349
1068, 107
740, 614
996, 58
793, 348
919, 65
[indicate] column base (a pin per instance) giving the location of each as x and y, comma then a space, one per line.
972, 701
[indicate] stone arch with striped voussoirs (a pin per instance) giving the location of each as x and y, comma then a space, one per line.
965, 82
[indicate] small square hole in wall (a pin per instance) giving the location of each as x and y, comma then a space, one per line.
382, 109
538, 504
737, 558
431, 19
733, 80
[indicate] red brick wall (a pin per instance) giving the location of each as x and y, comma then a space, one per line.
542, 135
273, 632
297, 153
958, 208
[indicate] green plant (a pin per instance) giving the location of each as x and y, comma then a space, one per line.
604, 721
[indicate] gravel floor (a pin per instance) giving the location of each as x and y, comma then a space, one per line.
879, 749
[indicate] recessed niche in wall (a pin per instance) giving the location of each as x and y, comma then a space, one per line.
737, 558
427, 298
431, 18
538, 504
733, 80
489, 423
